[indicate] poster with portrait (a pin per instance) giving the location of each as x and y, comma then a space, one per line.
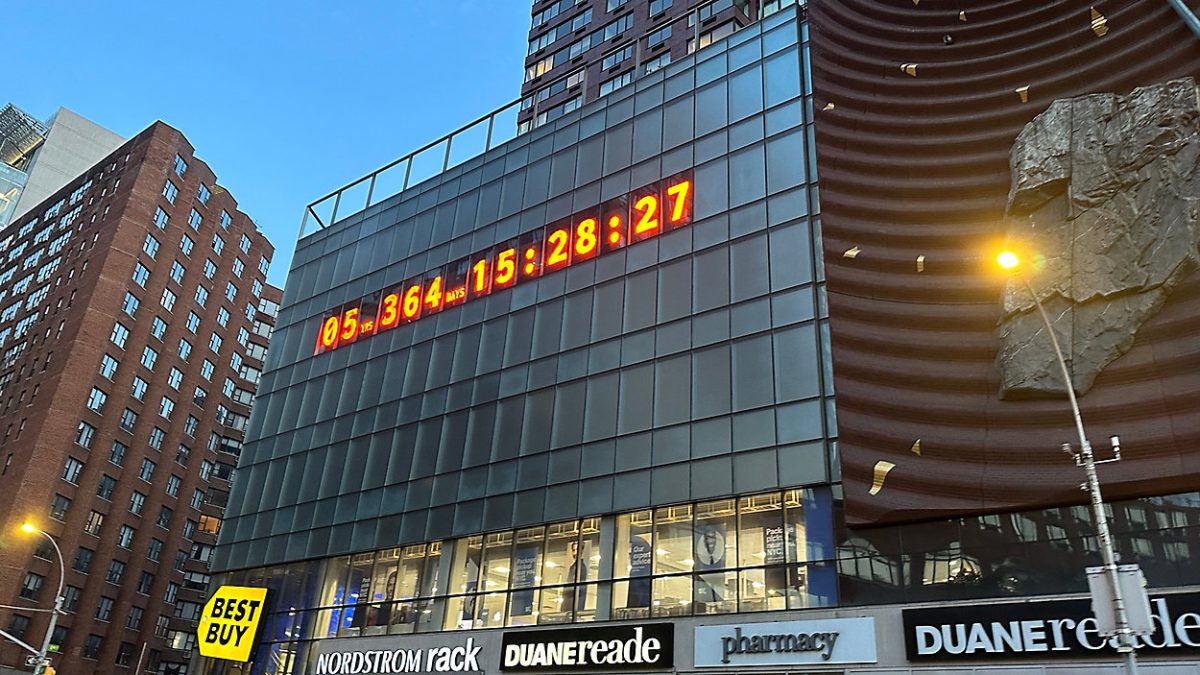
708, 551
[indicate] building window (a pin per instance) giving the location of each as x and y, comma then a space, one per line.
214, 343
146, 473
185, 349
218, 244
119, 335
168, 299
194, 219
616, 4
104, 608
106, 487
96, 400
158, 328
223, 317
72, 471
149, 358
186, 244
125, 649
619, 56
206, 370
108, 366
210, 269
160, 218
141, 274
150, 246
18, 625
197, 499
164, 517
175, 378
116, 570
154, 551
720, 32
238, 267
193, 322
91, 648
125, 537
201, 296
173, 484
130, 305
658, 36
71, 597
659, 6
231, 291
180, 166
58, 507
117, 454
145, 583
156, 438
609, 86
189, 528
190, 425
657, 62
137, 501
244, 244
177, 272
170, 191
165, 408
31, 586
138, 391
83, 560
85, 434
225, 220
128, 420
203, 194
94, 523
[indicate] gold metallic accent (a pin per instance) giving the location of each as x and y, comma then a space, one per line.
828, 106
916, 448
852, 253
962, 16
909, 68
1023, 92
1099, 23
920, 263
882, 468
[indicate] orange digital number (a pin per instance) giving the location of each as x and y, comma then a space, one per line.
350, 324
680, 193
506, 268
433, 296
559, 245
412, 303
586, 240
389, 310
329, 332
530, 267
647, 223
480, 284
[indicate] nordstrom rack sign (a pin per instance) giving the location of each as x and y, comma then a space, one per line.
786, 643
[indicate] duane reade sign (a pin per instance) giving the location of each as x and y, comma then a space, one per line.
786, 643
1043, 629
629, 647
460, 658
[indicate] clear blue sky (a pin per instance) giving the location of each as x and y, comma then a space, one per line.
285, 100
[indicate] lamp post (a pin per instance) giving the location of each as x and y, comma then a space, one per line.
42, 662
1011, 262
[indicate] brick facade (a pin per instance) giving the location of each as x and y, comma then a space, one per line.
47, 385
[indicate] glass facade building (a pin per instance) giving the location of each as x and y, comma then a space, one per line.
609, 411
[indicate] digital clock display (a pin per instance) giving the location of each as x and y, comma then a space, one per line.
640, 215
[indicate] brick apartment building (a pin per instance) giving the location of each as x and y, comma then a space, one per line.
582, 49
134, 318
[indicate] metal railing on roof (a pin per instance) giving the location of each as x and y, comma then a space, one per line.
466, 142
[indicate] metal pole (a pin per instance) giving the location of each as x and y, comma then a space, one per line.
58, 599
1124, 638
141, 656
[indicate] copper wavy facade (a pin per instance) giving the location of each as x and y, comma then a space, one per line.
918, 103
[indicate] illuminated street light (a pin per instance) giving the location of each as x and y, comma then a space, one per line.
1011, 262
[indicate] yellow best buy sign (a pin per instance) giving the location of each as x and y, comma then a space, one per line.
230, 622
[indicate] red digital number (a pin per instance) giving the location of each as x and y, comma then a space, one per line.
329, 334
389, 311
433, 295
645, 217
349, 326
531, 256
480, 279
558, 249
506, 268
410, 308
587, 239
679, 202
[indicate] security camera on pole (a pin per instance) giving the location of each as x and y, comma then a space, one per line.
1119, 598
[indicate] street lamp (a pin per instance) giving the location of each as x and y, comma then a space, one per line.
41, 661
1011, 262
